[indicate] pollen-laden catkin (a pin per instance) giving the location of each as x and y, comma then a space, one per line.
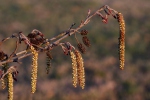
3, 82
80, 69
10, 86
121, 40
34, 69
74, 68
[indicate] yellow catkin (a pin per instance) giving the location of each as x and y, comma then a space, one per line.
34, 69
74, 68
80, 69
3, 82
121, 40
10, 86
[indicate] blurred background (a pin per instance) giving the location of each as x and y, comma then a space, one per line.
104, 79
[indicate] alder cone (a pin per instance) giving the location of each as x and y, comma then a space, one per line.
30, 35
36, 38
81, 48
84, 32
86, 41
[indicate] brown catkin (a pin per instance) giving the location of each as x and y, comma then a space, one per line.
48, 63
121, 40
74, 68
80, 69
34, 69
10, 86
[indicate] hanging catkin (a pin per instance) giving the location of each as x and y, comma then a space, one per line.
34, 69
80, 69
10, 86
121, 40
74, 68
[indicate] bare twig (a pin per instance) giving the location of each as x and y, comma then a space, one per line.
14, 52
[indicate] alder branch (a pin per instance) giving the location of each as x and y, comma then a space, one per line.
56, 40
36, 43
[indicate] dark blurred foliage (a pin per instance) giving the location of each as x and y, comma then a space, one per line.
104, 79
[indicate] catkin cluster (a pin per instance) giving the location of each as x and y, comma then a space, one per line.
7, 81
10, 86
80, 69
121, 40
34, 69
74, 67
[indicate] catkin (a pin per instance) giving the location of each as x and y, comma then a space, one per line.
48, 63
74, 68
80, 69
10, 86
121, 40
3, 82
34, 69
